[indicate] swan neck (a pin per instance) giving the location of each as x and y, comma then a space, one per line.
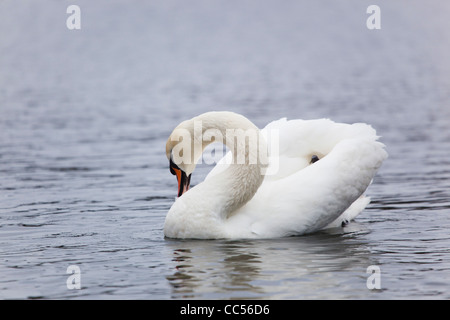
240, 181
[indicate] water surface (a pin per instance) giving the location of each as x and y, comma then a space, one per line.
84, 115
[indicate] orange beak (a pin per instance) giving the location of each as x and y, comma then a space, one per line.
182, 178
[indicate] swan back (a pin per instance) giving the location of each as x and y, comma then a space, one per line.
303, 197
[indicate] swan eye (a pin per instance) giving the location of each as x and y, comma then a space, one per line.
314, 159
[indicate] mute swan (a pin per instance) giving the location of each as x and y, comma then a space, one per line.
291, 178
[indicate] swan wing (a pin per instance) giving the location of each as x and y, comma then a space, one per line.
303, 197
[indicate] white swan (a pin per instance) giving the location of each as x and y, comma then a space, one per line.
315, 177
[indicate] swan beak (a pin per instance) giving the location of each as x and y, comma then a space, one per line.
183, 179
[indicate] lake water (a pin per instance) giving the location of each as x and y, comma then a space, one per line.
84, 116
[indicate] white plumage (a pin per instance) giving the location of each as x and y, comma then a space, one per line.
295, 197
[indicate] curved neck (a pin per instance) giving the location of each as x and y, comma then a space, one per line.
236, 185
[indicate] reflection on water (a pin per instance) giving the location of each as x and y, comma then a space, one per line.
298, 267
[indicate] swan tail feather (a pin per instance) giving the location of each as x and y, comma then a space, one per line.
351, 213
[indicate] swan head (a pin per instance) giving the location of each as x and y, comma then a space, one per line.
182, 178
181, 169
183, 153
188, 140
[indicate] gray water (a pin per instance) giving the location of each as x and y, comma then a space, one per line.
84, 116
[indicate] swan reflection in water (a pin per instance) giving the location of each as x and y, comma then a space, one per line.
271, 269
195, 271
